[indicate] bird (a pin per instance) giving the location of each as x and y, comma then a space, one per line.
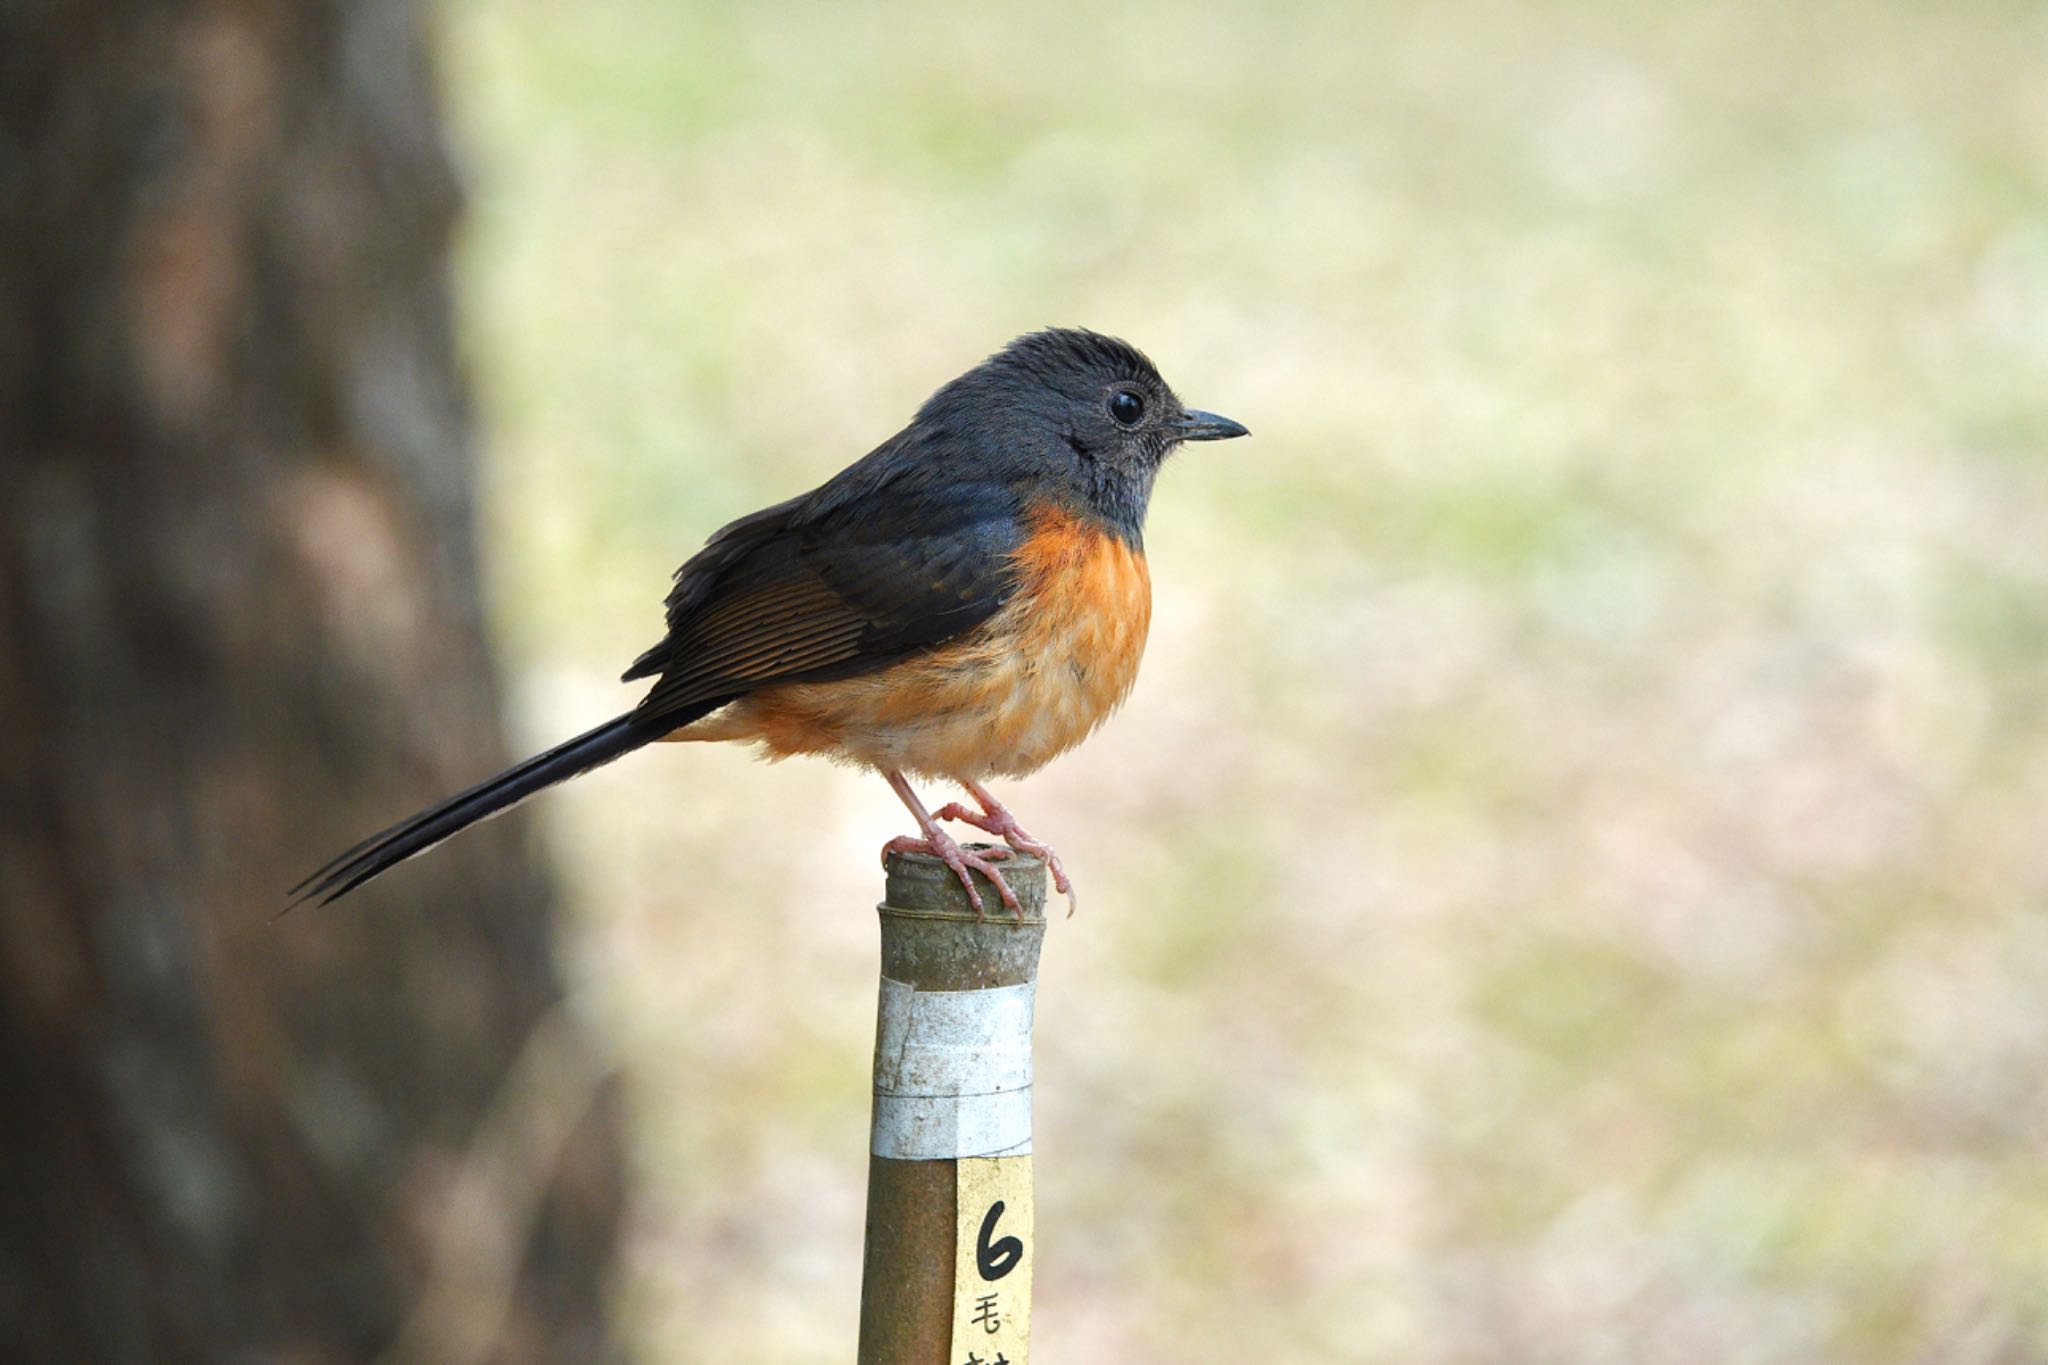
967, 601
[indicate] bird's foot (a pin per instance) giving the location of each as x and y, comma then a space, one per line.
995, 818
964, 862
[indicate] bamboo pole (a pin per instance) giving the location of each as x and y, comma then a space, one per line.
946, 1272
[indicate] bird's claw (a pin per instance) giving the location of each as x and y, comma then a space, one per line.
998, 821
964, 862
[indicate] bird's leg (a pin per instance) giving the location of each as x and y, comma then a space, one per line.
995, 818
940, 845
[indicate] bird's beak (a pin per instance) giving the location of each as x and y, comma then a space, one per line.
1196, 425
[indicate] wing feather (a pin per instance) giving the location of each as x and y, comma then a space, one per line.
791, 595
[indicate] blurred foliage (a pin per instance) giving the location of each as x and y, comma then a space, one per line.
1569, 885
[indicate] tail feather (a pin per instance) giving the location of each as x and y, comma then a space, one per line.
413, 836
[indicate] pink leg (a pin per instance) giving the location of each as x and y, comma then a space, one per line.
940, 845
995, 817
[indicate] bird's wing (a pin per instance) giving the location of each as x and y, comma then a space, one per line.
795, 594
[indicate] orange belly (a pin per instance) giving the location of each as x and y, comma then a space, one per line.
1004, 700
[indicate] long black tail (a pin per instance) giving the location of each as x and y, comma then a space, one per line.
381, 852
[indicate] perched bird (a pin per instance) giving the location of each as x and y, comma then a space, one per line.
969, 600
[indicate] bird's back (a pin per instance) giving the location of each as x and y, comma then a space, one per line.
1003, 698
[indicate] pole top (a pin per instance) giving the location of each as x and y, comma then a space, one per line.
922, 886
932, 939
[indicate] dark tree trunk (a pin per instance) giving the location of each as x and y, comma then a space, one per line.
240, 627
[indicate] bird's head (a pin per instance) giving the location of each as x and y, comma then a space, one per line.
1088, 411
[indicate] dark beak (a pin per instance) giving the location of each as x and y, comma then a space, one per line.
1195, 425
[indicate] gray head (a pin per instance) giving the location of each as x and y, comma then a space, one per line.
1086, 412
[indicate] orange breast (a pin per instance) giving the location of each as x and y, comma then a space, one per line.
1004, 700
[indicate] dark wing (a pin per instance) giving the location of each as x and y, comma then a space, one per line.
829, 586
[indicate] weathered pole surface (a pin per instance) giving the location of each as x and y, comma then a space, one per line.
946, 1276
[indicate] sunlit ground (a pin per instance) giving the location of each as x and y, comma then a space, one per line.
1571, 884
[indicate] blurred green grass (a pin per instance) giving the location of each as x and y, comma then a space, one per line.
1570, 883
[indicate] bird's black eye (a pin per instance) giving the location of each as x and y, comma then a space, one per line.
1126, 407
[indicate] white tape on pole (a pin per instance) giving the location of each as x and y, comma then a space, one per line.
952, 1073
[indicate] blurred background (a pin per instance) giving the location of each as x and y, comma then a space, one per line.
1570, 882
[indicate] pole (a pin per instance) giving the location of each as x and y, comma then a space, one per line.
946, 1273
